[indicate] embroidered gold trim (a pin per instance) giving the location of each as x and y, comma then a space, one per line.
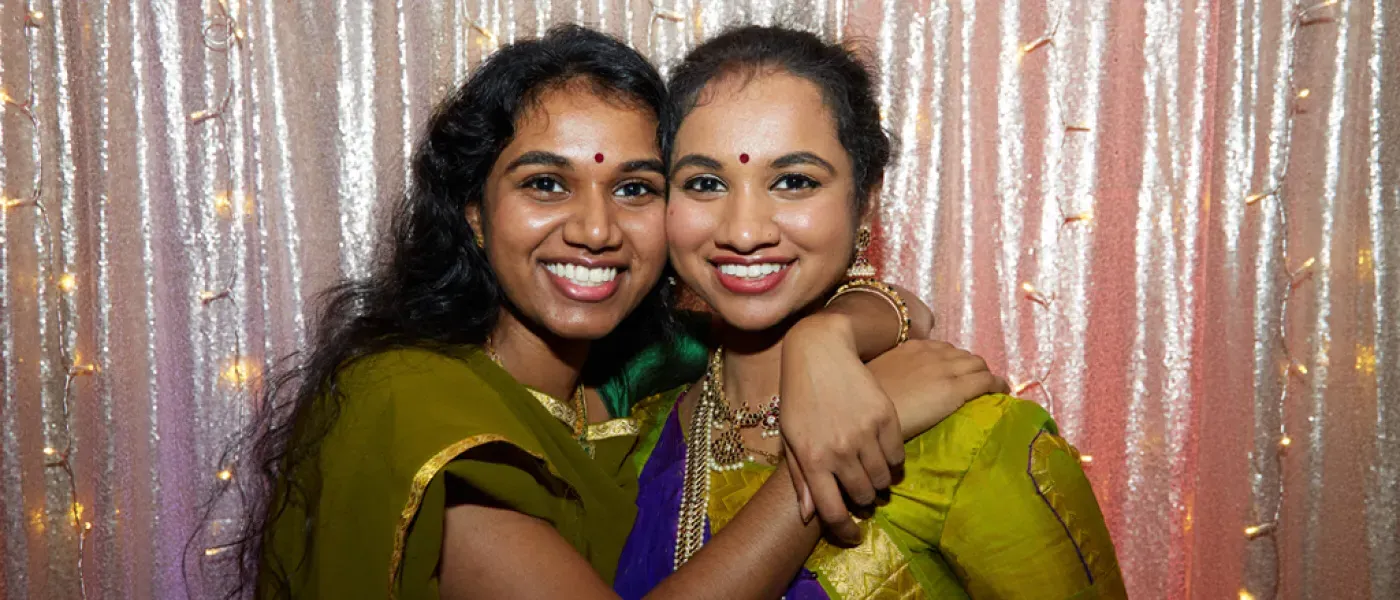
1043, 447
877, 568
611, 429
555, 406
421, 479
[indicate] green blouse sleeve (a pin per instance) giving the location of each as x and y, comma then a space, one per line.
1004, 500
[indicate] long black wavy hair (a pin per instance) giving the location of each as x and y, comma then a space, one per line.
846, 81
430, 286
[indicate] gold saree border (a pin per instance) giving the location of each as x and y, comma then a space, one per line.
611, 429
419, 486
555, 406
876, 568
1044, 446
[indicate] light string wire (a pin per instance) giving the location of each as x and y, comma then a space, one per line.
1040, 382
658, 14
1303, 16
55, 458
223, 37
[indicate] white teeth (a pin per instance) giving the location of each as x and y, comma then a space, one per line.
581, 275
753, 271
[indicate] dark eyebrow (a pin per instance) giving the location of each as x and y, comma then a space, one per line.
648, 164
538, 157
699, 160
802, 158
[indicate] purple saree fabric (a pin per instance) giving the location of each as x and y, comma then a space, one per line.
648, 556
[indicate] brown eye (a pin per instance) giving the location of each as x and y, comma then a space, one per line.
795, 181
634, 189
705, 184
544, 184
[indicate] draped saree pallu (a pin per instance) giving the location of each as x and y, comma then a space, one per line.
993, 504
413, 426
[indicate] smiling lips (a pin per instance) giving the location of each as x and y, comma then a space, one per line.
750, 278
582, 283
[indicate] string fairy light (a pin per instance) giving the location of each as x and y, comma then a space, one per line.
1267, 527
223, 36
487, 34
1029, 291
59, 457
661, 14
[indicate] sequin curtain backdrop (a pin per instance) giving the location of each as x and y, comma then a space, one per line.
1070, 193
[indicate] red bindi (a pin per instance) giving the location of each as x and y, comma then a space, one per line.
744, 158
598, 157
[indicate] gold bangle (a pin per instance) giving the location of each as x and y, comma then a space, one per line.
883, 290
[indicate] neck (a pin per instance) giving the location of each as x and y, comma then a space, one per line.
752, 363
536, 357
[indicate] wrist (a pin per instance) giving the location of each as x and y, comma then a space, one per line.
827, 327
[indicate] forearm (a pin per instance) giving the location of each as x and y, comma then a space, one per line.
755, 556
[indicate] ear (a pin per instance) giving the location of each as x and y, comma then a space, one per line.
473, 214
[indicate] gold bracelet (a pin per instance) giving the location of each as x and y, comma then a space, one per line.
881, 289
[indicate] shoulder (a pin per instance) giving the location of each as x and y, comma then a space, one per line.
398, 367
387, 379
998, 415
971, 437
413, 396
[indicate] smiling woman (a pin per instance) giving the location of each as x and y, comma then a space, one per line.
446, 385
993, 504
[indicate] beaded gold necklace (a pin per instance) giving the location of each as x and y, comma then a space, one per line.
704, 453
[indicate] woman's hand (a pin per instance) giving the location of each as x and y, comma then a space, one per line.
838, 427
927, 380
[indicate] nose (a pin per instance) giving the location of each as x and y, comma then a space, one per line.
592, 224
748, 223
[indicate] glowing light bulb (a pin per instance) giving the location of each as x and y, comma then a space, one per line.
67, 282
1087, 215
49, 451
223, 204
1254, 531
225, 475
239, 370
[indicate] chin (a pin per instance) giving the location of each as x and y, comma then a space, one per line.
583, 324
590, 331
751, 321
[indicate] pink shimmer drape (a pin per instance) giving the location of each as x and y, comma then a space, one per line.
1109, 199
